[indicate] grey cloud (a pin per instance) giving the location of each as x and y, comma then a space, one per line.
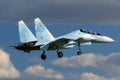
109, 63
41, 71
7, 69
61, 11
91, 76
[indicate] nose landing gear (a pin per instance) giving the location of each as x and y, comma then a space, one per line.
79, 52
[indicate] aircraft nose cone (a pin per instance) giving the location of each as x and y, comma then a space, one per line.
108, 39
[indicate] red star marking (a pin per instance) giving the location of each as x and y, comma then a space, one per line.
40, 25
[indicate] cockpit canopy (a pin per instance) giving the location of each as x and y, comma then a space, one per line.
89, 32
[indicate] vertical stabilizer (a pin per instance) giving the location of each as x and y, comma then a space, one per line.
25, 34
42, 33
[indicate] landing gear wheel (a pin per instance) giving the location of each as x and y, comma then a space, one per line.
60, 54
79, 53
43, 56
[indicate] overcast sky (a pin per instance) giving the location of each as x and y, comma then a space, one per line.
62, 11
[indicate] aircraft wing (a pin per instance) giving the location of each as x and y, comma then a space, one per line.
62, 43
56, 44
82, 41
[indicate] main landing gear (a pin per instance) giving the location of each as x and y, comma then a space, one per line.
59, 53
43, 56
79, 52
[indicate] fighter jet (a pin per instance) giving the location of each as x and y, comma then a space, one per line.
45, 41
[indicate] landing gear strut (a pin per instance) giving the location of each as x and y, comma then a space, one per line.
79, 52
43, 56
